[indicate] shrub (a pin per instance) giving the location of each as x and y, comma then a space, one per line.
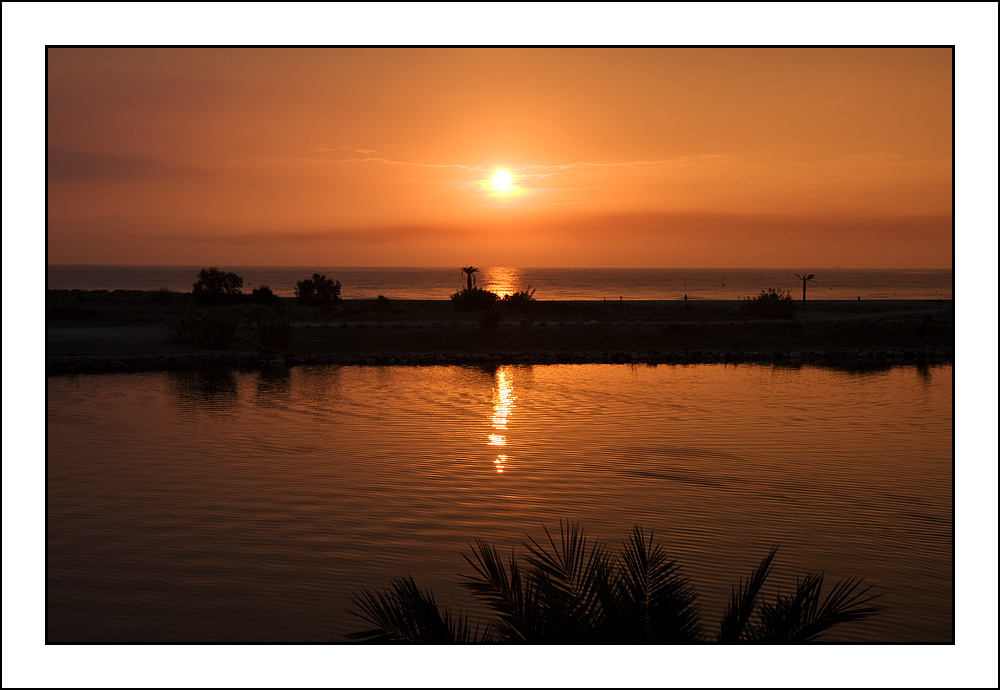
210, 331
276, 333
522, 299
770, 303
215, 286
264, 295
318, 291
474, 298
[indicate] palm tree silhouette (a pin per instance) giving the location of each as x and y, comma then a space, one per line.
805, 279
469, 270
574, 591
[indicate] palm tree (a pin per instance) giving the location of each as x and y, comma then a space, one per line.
469, 270
805, 279
573, 591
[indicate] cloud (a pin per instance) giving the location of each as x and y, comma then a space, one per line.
359, 236
334, 149
388, 161
524, 171
554, 239
584, 165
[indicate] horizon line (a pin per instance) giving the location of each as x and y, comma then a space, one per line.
442, 266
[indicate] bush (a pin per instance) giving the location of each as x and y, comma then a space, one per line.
770, 303
318, 291
264, 295
215, 286
210, 331
520, 300
474, 298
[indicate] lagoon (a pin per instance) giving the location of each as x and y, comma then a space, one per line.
224, 505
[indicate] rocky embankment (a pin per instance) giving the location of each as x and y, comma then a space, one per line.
105, 364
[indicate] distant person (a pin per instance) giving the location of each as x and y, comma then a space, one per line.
685, 297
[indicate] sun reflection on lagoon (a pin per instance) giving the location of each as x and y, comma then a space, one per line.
503, 404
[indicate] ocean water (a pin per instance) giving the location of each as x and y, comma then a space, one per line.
548, 283
219, 505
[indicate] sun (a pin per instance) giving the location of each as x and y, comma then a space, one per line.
502, 181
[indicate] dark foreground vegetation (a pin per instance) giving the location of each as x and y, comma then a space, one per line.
127, 323
769, 304
134, 329
572, 590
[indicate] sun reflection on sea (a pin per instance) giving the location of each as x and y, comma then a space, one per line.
503, 404
503, 280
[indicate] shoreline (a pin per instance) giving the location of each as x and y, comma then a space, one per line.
111, 332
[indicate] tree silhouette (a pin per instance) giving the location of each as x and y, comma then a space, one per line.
805, 279
215, 286
468, 271
572, 591
318, 290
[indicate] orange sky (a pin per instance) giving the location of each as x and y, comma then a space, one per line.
673, 157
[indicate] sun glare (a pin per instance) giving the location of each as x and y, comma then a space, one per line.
502, 181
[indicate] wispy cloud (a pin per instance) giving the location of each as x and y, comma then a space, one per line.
337, 149
362, 236
584, 165
389, 161
536, 170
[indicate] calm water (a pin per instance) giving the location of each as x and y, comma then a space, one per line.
549, 283
205, 506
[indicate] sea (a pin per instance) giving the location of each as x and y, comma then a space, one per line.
548, 283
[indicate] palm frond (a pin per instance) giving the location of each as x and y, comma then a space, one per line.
847, 601
509, 594
572, 580
655, 603
573, 590
743, 601
781, 620
404, 613
801, 617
